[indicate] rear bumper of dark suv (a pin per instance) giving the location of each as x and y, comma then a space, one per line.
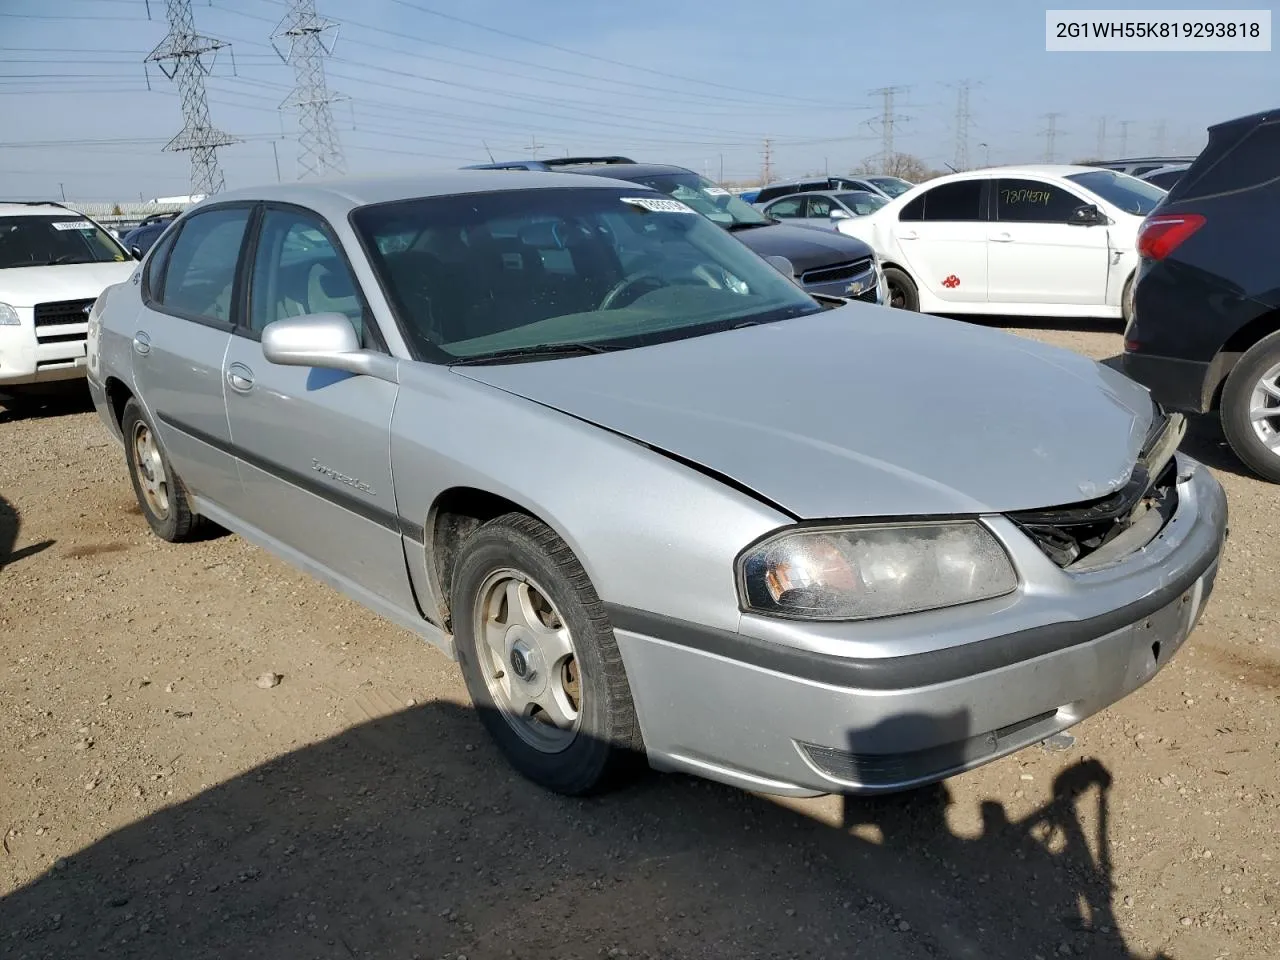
1186, 386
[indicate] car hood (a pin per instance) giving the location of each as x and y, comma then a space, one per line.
805, 247
27, 286
863, 411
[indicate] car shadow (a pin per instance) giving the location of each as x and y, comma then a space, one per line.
10, 523
409, 836
59, 399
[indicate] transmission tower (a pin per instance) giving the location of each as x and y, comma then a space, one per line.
186, 57
319, 152
766, 168
1158, 139
964, 121
1051, 137
1124, 138
1101, 153
887, 121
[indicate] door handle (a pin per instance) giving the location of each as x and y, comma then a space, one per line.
141, 343
1000, 238
909, 235
240, 377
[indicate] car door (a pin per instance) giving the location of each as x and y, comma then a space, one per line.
817, 211
181, 337
1035, 255
313, 445
942, 236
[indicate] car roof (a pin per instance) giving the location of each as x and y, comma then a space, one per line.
822, 193
824, 178
34, 208
350, 192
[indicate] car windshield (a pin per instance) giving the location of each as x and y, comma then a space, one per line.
861, 202
891, 186
714, 203
485, 275
38, 241
1120, 190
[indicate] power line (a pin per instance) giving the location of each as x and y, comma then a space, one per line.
180, 57
1051, 137
319, 151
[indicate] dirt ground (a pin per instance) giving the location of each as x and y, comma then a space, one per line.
156, 802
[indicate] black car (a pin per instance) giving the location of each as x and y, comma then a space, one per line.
825, 262
140, 238
1205, 333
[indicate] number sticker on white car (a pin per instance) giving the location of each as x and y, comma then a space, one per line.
657, 205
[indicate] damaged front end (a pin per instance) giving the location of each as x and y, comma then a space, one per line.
1085, 536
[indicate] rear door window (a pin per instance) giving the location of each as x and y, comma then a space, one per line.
959, 201
787, 209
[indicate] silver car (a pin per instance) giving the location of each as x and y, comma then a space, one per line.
655, 499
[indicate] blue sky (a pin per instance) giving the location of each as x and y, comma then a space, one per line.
700, 84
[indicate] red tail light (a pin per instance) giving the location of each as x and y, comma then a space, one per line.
1163, 233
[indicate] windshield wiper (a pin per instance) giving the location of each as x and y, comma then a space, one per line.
747, 224
61, 260
545, 351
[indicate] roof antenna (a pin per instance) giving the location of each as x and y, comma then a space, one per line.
488, 151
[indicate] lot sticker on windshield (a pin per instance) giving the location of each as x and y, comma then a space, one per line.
715, 191
659, 205
72, 225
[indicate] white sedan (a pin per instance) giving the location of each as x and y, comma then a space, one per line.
1039, 240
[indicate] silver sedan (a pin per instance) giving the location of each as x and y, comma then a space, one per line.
656, 500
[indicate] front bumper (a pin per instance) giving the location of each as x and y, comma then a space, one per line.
797, 718
50, 354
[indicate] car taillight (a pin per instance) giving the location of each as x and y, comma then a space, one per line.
1163, 233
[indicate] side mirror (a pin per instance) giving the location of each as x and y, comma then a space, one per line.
1086, 215
136, 251
838, 214
325, 340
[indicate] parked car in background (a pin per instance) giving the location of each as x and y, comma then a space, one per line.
833, 265
1040, 240
825, 210
578, 437
1165, 177
54, 261
887, 187
139, 240
1137, 166
1205, 332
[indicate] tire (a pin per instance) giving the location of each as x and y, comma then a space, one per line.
161, 494
1126, 301
901, 288
583, 754
1242, 393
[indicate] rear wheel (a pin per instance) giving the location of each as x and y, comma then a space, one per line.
540, 659
1250, 409
1126, 302
902, 290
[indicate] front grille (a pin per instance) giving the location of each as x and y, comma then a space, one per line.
62, 311
837, 272
1087, 534
869, 296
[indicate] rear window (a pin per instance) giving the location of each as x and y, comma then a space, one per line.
1236, 158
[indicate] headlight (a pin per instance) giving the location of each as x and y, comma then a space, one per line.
874, 570
8, 316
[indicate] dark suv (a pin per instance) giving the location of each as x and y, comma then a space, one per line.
1205, 333
825, 262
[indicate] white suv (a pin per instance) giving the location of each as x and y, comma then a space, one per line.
54, 262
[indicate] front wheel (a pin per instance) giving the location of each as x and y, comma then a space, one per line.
539, 657
902, 290
160, 493
1250, 408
